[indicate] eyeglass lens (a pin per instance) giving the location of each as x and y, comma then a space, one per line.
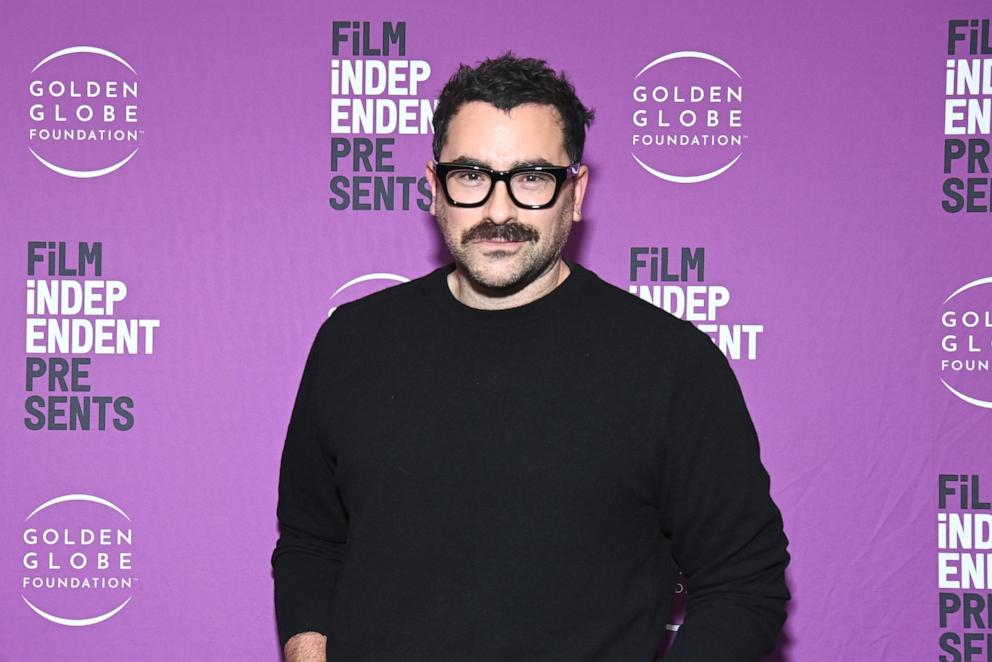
531, 187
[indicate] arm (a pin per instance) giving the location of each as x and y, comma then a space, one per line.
726, 532
312, 522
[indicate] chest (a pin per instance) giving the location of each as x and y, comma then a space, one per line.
530, 422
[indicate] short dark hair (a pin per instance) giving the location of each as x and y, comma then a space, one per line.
507, 82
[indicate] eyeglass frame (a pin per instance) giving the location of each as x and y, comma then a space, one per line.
560, 173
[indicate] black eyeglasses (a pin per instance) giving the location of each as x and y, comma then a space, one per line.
530, 187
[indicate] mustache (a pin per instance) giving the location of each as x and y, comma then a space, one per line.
489, 231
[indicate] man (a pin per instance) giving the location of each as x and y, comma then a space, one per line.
508, 459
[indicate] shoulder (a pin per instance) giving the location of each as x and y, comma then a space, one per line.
388, 308
647, 332
628, 311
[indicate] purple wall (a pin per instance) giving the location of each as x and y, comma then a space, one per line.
826, 260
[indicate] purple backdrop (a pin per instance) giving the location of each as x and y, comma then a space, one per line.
826, 260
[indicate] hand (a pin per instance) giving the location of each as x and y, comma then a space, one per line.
306, 647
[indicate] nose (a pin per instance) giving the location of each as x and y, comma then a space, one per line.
500, 208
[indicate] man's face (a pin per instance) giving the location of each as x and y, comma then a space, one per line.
500, 245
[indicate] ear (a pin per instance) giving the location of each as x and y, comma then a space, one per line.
432, 183
581, 180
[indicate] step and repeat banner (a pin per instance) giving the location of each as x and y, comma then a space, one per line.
190, 188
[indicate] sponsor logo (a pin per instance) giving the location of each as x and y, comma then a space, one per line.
83, 112
377, 95
967, 117
964, 564
687, 121
76, 560
966, 342
74, 315
674, 279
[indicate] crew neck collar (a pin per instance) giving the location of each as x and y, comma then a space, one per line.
437, 290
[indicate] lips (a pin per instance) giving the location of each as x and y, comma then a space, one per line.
496, 244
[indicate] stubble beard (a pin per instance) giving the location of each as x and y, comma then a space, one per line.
534, 259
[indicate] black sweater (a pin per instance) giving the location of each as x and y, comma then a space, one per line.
521, 485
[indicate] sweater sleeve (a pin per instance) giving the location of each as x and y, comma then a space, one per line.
312, 522
726, 531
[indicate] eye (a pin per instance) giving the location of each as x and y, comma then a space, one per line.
468, 178
534, 179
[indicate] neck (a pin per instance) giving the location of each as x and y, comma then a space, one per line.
476, 295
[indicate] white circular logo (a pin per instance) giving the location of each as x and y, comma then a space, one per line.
966, 343
687, 117
76, 560
83, 112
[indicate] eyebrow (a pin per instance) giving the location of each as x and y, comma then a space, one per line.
521, 163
